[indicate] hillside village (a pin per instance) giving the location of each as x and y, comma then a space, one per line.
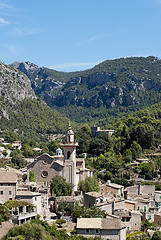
117, 210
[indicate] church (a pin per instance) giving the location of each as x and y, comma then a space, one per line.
72, 169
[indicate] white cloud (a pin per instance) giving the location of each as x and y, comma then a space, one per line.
5, 6
76, 66
3, 21
96, 37
21, 32
91, 39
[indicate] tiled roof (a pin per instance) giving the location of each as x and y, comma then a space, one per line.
114, 185
65, 199
99, 223
7, 176
27, 193
94, 194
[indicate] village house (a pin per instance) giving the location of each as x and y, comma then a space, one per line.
67, 165
130, 218
144, 191
96, 131
158, 198
17, 145
22, 213
130, 205
110, 228
105, 202
8, 185
31, 197
113, 188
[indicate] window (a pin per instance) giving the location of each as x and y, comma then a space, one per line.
44, 174
97, 231
128, 228
68, 154
144, 208
87, 231
149, 217
10, 192
35, 198
138, 208
1, 192
160, 197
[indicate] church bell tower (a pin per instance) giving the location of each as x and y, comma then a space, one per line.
69, 146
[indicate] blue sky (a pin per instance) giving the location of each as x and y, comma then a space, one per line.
71, 35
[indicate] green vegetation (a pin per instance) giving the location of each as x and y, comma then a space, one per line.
4, 214
90, 184
77, 211
32, 176
17, 204
41, 230
60, 187
34, 119
156, 236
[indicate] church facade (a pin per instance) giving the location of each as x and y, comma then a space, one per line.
68, 166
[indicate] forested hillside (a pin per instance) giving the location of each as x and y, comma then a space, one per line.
20, 108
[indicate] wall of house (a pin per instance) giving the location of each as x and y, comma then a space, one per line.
157, 218
89, 200
107, 207
142, 207
158, 196
119, 205
104, 234
135, 222
133, 190
129, 206
147, 189
109, 189
7, 192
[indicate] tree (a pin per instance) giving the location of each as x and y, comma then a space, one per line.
136, 150
4, 153
4, 214
32, 176
90, 184
156, 236
98, 146
93, 212
60, 222
30, 231
60, 187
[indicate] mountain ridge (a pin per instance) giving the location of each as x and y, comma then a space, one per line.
125, 83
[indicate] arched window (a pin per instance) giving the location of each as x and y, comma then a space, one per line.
68, 154
68, 138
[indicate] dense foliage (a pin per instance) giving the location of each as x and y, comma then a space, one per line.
34, 119
90, 184
59, 187
41, 230
4, 214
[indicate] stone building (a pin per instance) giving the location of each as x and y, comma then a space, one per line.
67, 165
8, 185
110, 228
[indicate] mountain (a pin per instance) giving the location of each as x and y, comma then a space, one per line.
111, 87
21, 109
14, 86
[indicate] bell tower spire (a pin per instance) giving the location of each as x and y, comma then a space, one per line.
70, 134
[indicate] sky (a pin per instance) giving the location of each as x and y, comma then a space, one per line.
74, 35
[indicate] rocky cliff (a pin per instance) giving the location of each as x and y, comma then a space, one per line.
14, 86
